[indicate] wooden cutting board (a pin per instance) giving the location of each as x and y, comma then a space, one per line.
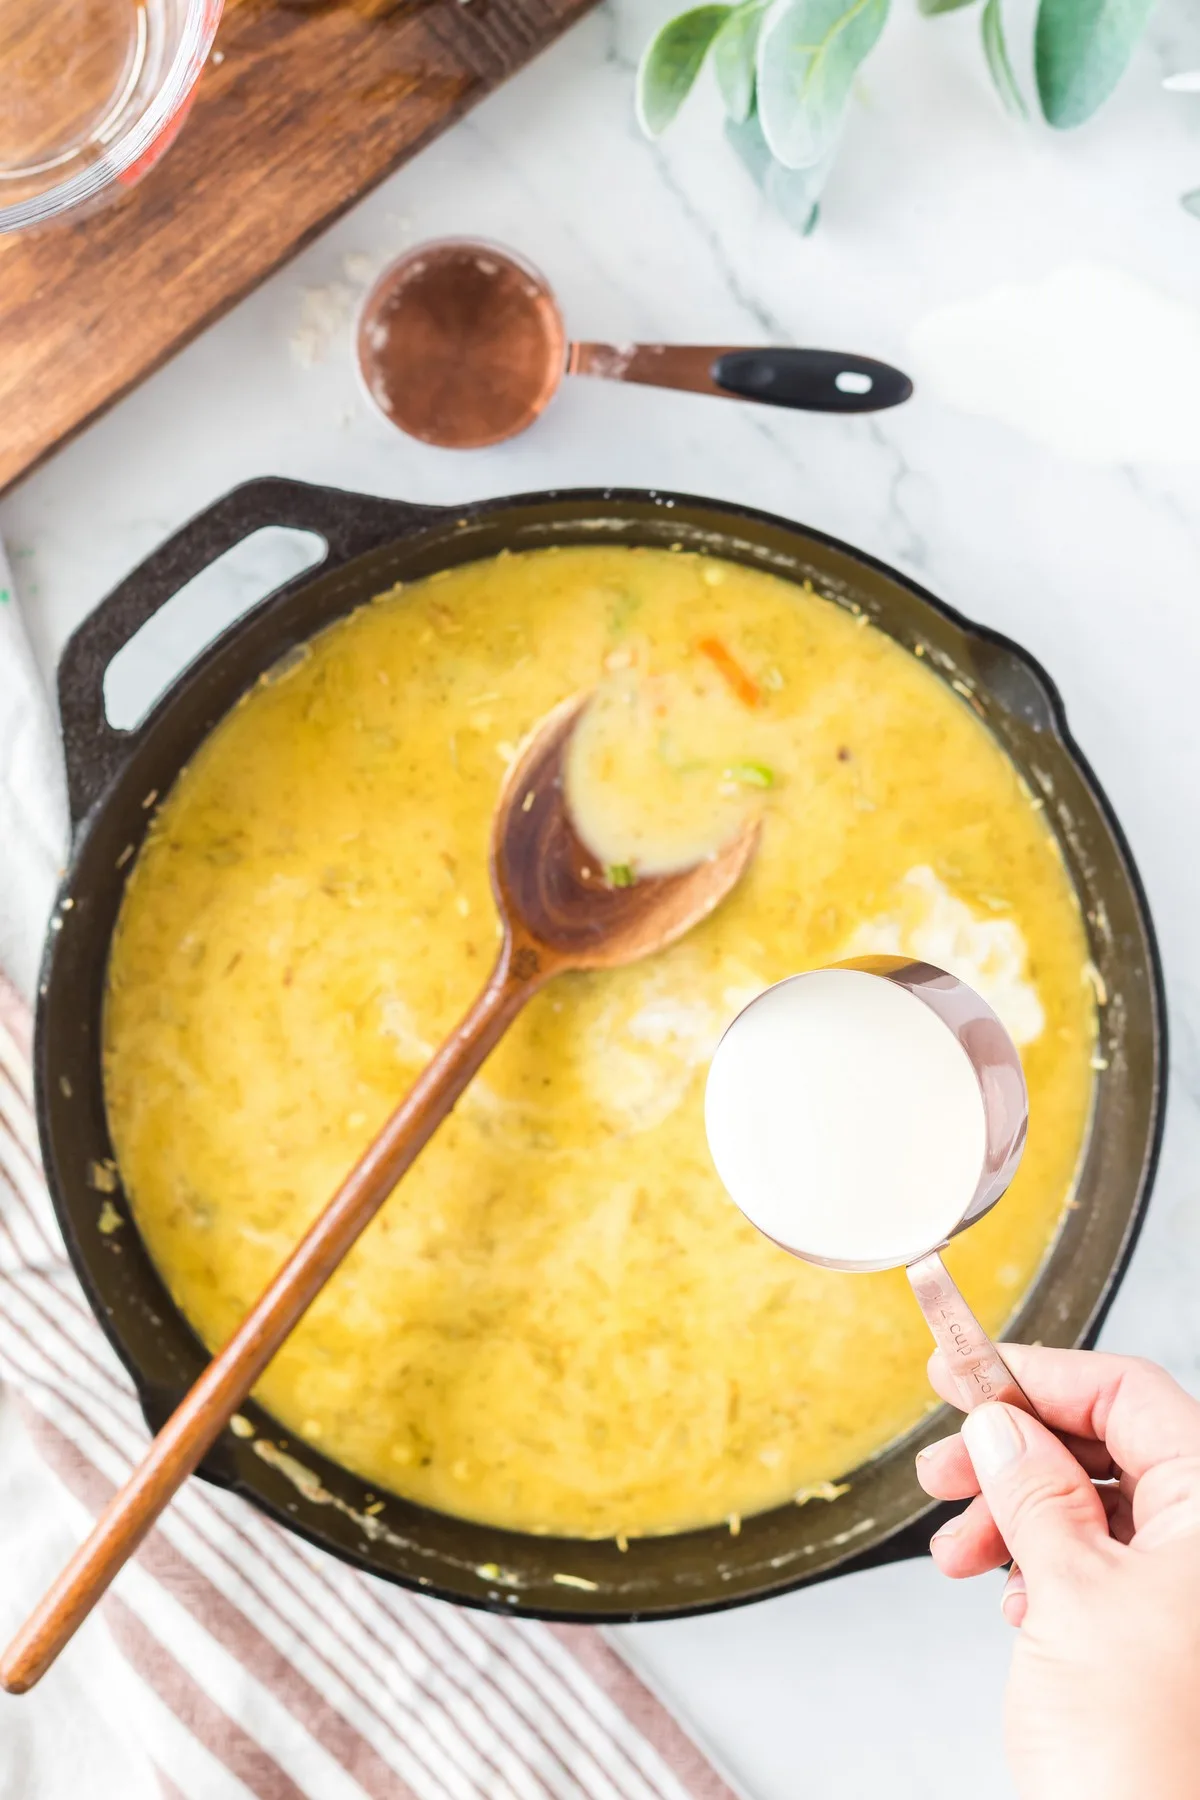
305, 105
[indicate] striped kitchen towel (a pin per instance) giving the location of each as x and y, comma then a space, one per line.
258, 1665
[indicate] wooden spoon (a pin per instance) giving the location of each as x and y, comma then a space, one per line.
557, 912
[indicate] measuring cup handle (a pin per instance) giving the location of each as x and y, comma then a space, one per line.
834, 381
811, 380
979, 1370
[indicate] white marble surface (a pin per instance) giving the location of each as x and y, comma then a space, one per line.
889, 1682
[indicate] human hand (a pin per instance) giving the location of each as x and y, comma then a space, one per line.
1103, 1698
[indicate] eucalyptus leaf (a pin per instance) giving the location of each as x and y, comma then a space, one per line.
671, 64
746, 138
733, 58
808, 52
996, 51
1081, 49
931, 7
793, 193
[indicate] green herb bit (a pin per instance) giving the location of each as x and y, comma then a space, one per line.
619, 875
621, 608
752, 774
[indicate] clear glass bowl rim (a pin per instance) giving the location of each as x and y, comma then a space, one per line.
190, 54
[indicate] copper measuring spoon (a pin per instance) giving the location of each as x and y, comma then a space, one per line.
557, 912
462, 344
979, 1370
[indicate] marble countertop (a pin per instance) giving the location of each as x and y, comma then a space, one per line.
888, 1682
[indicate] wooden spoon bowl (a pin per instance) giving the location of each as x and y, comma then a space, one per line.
553, 895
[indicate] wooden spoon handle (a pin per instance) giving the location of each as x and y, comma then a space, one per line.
229, 1377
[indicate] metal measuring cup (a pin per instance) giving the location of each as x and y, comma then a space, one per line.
980, 1372
461, 343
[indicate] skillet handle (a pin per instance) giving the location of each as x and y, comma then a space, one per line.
349, 523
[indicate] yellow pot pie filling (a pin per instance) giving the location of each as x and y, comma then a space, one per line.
559, 1323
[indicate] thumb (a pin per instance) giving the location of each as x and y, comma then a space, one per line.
1044, 1505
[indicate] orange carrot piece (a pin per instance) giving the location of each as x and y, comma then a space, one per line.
743, 685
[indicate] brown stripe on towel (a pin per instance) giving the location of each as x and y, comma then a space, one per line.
352, 1653
645, 1712
220, 1735
224, 1622
16, 1019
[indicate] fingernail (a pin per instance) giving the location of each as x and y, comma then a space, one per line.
1014, 1598
933, 1449
991, 1436
943, 1538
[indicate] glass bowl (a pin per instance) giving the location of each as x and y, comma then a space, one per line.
94, 92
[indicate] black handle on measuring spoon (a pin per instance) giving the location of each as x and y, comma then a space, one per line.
812, 380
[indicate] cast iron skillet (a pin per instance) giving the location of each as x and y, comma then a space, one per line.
114, 780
